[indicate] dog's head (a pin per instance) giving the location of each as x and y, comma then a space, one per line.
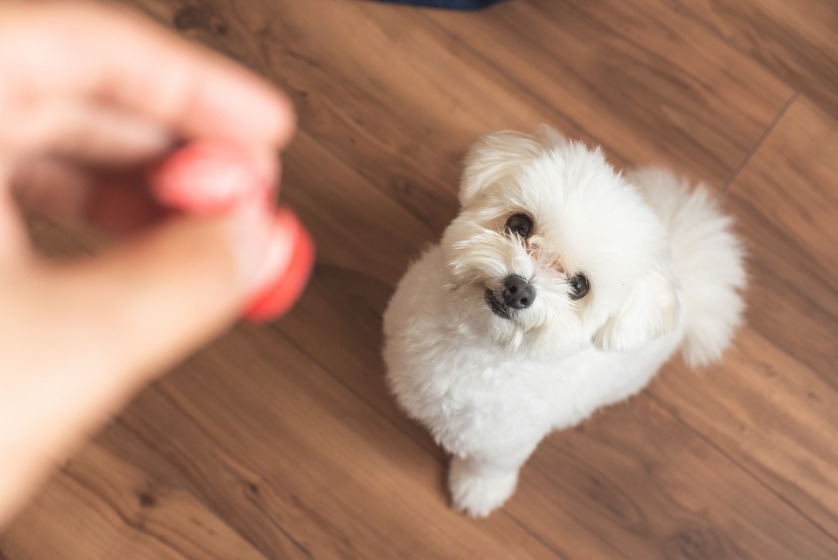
553, 249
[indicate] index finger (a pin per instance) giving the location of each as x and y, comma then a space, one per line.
105, 54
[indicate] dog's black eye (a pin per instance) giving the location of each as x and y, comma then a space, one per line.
579, 286
520, 224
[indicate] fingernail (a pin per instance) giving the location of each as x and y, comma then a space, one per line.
280, 244
250, 226
285, 270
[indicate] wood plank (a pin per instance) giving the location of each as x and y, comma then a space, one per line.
356, 271
647, 81
772, 405
647, 486
376, 101
294, 452
797, 41
100, 506
402, 107
292, 462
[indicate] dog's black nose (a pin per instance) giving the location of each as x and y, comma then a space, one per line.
517, 293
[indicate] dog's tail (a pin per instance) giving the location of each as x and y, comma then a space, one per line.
708, 258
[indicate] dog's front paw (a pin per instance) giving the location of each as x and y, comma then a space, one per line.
477, 493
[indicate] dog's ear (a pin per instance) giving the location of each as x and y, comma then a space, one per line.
651, 309
493, 158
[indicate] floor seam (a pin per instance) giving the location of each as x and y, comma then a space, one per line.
755, 147
740, 465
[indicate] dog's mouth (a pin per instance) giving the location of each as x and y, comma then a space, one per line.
496, 306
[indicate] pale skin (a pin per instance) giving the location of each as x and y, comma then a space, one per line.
89, 95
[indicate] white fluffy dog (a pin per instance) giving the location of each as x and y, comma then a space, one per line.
561, 287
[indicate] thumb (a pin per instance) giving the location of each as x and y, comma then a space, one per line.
78, 340
153, 300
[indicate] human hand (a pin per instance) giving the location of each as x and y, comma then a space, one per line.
89, 95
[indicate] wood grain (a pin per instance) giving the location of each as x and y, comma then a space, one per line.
684, 500
648, 82
771, 405
796, 41
118, 511
281, 441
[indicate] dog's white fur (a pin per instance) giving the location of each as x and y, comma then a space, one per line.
665, 273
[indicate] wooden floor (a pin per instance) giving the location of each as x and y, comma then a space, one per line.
280, 441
